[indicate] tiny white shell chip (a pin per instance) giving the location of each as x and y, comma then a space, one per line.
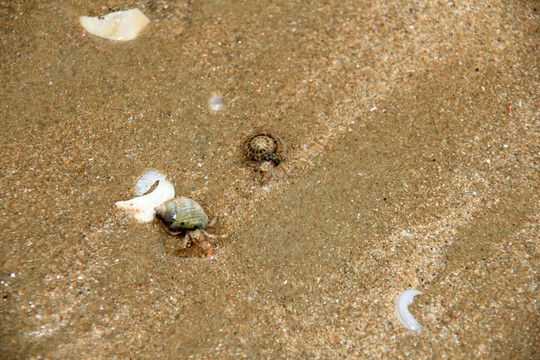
119, 25
216, 103
143, 207
402, 310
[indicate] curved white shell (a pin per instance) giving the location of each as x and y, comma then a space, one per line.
119, 25
142, 208
146, 181
402, 310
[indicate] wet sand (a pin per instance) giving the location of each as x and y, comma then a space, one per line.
412, 136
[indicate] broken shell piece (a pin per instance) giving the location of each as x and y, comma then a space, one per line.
402, 310
143, 207
119, 25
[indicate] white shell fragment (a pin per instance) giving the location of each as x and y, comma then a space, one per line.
146, 181
143, 207
119, 25
402, 310
216, 103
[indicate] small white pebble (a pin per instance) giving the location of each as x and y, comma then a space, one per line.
216, 103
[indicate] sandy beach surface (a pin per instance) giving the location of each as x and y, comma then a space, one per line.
412, 134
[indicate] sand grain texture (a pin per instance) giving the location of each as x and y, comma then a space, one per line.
413, 158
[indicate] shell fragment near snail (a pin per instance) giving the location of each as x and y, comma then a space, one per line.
182, 214
143, 207
265, 147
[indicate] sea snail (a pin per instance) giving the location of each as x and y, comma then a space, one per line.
154, 195
266, 151
183, 215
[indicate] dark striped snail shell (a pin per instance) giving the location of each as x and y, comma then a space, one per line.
265, 147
